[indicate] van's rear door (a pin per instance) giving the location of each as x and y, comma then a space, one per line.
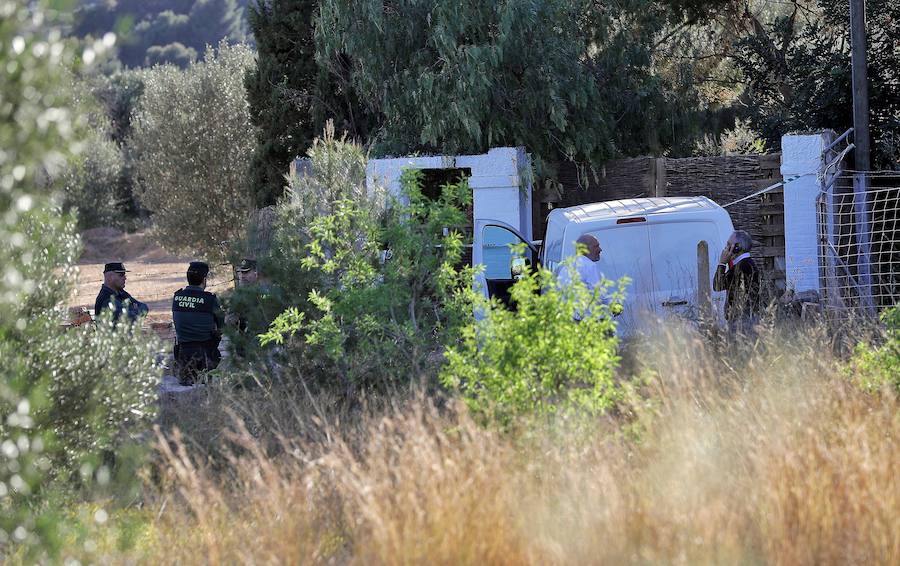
674, 250
493, 248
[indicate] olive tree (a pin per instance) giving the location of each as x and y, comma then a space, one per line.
65, 396
193, 140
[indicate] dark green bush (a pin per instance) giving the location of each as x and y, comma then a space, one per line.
280, 245
101, 387
92, 183
57, 407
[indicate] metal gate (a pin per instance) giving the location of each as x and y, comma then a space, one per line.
859, 235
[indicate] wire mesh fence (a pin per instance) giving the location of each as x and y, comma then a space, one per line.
859, 224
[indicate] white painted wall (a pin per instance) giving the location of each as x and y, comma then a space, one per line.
802, 155
500, 182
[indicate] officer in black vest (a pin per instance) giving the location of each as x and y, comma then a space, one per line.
198, 326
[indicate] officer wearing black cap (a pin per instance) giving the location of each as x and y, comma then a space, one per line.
114, 297
198, 323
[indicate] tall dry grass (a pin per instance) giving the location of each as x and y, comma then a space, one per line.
762, 454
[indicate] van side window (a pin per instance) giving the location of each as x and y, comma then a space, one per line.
498, 252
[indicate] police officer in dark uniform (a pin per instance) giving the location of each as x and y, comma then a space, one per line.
198, 326
114, 297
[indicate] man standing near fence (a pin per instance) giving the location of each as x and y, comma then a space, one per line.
198, 326
738, 276
114, 297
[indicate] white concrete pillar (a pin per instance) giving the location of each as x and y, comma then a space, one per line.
500, 182
501, 186
802, 159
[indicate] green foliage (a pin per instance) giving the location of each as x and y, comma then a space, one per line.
740, 140
163, 31
38, 247
566, 79
251, 308
537, 360
93, 180
99, 182
118, 95
102, 387
278, 90
877, 367
175, 53
365, 322
799, 78
339, 175
192, 138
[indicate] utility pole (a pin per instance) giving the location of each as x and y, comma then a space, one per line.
862, 163
860, 84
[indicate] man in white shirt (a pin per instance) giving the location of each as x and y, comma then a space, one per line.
584, 267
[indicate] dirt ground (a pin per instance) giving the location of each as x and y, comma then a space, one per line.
154, 274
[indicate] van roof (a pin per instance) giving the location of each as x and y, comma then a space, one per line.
637, 207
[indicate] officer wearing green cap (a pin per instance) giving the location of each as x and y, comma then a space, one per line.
252, 306
114, 297
198, 325
247, 272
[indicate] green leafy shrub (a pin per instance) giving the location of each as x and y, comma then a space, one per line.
279, 239
877, 367
91, 183
338, 177
740, 140
102, 387
100, 181
537, 360
373, 323
251, 310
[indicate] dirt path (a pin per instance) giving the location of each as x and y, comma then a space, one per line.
153, 283
154, 275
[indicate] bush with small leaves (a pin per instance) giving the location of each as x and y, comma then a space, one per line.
92, 183
279, 239
875, 367
373, 322
538, 361
38, 246
102, 387
740, 140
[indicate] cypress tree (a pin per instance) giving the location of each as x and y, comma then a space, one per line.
279, 91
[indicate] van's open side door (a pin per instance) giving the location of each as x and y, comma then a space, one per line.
492, 248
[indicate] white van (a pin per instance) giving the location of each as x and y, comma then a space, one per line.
659, 243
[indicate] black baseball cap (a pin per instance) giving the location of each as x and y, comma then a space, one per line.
114, 266
247, 265
200, 267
